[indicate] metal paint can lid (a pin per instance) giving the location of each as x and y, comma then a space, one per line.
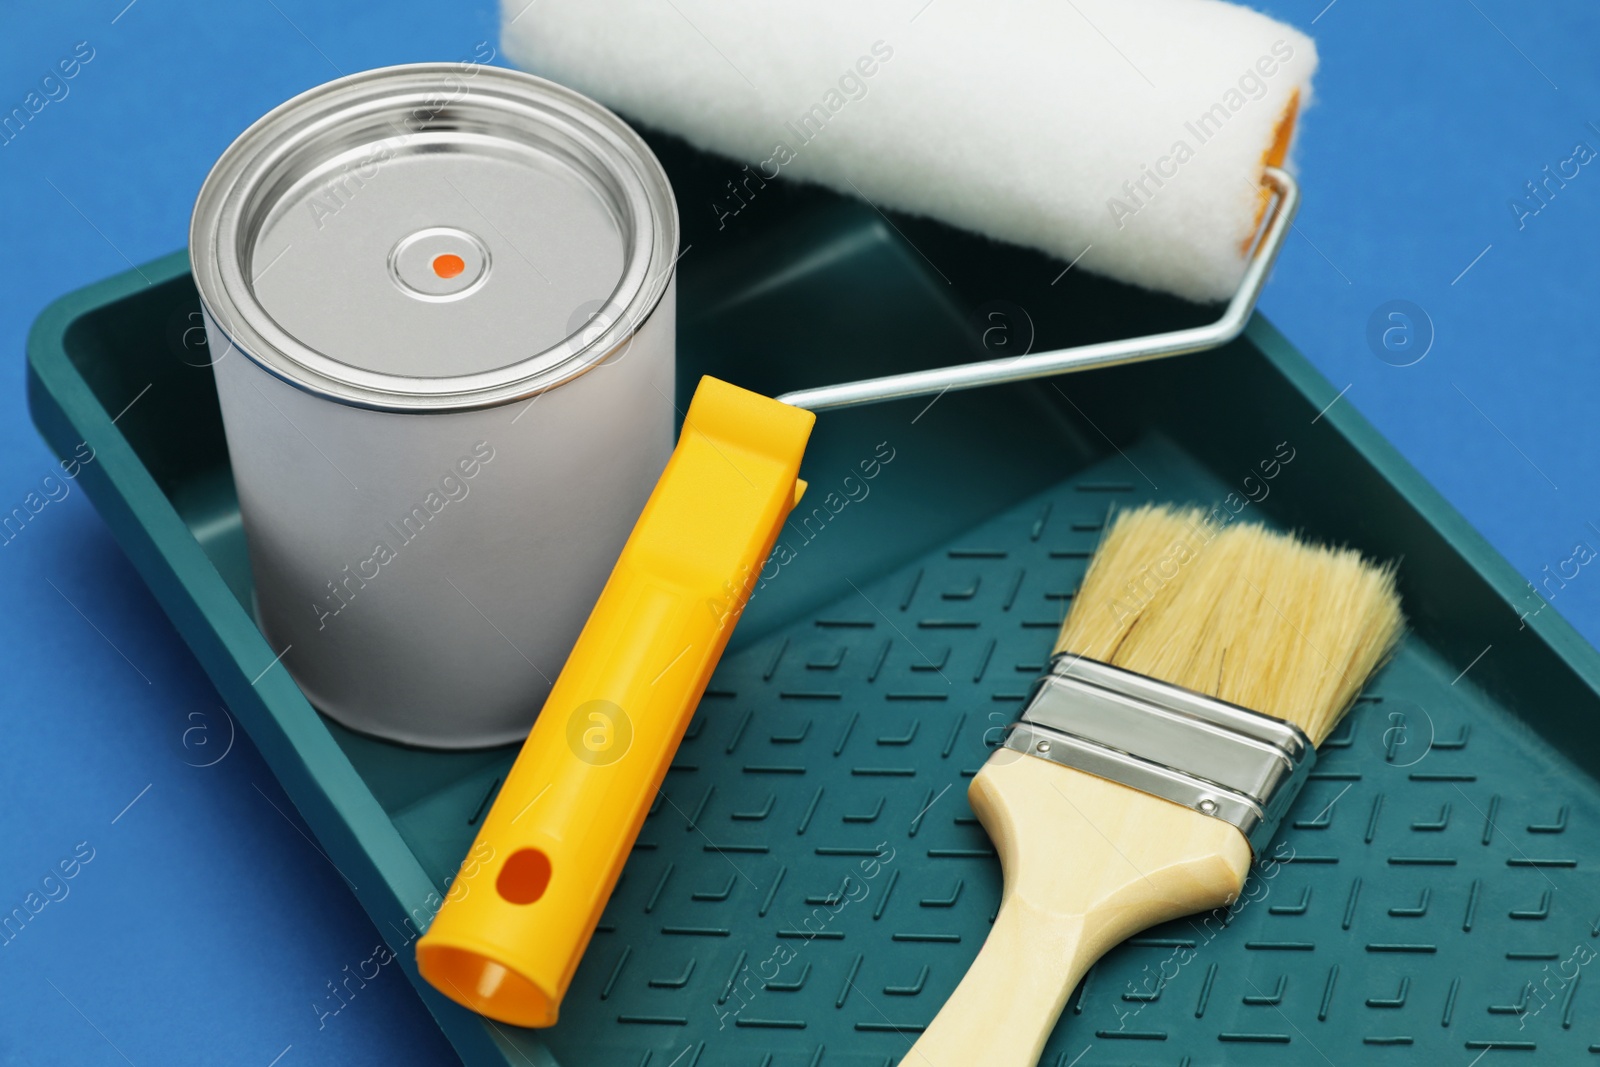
433, 237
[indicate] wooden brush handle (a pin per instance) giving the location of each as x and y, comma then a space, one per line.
1087, 863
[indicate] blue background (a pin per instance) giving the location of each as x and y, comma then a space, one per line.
207, 927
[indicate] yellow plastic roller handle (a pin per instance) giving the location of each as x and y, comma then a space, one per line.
516, 922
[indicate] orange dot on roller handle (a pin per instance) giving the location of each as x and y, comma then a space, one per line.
448, 265
524, 877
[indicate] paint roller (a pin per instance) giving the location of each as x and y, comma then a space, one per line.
1142, 140
1128, 137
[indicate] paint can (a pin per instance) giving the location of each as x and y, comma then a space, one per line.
439, 300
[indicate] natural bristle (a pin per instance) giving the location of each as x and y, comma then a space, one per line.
1256, 618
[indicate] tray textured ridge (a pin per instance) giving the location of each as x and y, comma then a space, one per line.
812, 880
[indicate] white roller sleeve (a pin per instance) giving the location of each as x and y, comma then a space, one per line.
1133, 129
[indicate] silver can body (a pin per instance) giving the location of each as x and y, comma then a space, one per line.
440, 304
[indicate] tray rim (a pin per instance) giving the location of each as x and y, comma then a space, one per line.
1547, 625
308, 762
319, 779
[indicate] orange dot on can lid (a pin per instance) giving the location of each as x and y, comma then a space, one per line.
448, 265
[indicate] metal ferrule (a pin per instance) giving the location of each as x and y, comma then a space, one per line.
1219, 759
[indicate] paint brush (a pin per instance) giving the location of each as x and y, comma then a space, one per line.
1199, 667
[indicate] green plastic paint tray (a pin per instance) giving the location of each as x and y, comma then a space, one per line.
811, 883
